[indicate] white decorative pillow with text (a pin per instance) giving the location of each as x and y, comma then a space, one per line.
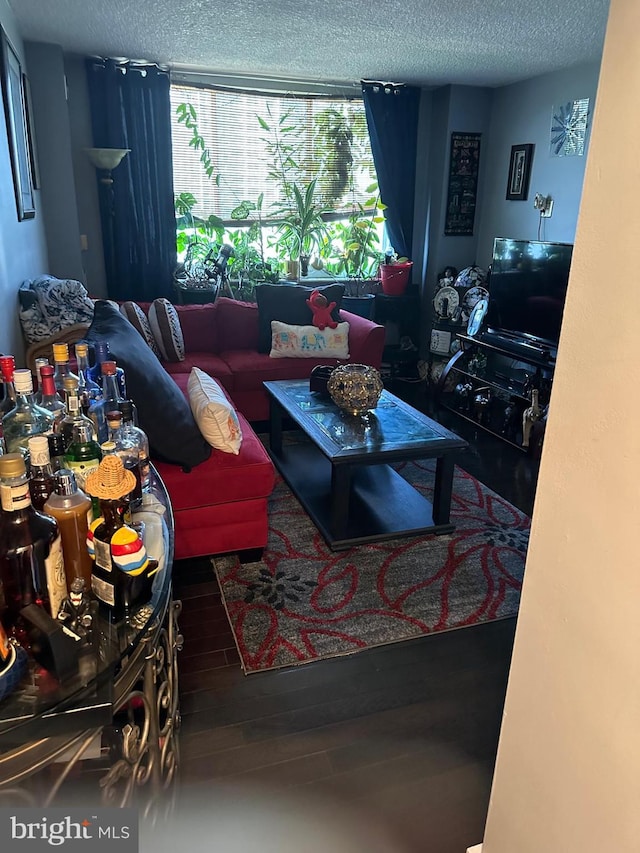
216, 418
308, 341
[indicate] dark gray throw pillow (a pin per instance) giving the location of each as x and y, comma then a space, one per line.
163, 411
288, 303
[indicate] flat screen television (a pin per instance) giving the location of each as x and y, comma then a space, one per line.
527, 288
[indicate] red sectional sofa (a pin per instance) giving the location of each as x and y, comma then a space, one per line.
222, 340
221, 505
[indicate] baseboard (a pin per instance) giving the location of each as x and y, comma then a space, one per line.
476, 849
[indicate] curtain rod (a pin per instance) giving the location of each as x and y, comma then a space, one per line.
263, 83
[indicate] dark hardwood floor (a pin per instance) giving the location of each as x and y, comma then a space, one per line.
401, 737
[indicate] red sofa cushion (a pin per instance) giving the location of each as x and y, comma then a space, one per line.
250, 368
224, 477
212, 364
236, 325
198, 324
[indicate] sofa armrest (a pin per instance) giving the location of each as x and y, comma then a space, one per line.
44, 349
366, 339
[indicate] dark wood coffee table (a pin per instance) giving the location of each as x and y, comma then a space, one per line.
343, 476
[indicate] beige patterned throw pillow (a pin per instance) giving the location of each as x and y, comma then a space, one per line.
165, 325
138, 319
216, 418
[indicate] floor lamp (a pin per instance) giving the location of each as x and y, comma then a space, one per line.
105, 161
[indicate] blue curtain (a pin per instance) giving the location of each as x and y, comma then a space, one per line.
130, 108
392, 119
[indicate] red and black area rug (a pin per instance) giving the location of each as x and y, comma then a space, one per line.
304, 602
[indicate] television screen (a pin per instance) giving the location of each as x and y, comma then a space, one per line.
528, 286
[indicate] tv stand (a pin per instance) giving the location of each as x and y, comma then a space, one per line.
489, 382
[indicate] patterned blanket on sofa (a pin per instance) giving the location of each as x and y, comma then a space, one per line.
48, 305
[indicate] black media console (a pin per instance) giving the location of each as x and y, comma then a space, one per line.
490, 380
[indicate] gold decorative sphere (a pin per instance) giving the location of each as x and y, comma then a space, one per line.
355, 388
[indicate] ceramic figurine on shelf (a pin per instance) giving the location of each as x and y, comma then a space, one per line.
447, 277
481, 402
529, 417
78, 610
511, 420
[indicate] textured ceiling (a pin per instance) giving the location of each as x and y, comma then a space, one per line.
428, 42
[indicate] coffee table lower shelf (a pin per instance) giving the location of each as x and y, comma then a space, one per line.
381, 504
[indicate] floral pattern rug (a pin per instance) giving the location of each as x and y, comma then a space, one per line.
303, 602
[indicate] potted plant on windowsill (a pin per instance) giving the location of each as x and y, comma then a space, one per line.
302, 228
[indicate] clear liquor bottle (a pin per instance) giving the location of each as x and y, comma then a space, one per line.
102, 354
132, 435
48, 398
40, 363
7, 368
27, 418
111, 398
61, 367
31, 561
74, 416
41, 479
88, 390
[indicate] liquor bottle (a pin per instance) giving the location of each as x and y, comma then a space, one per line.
88, 390
108, 448
114, 422
122, 571
131, 435
3, 446
31, 562
70, 507
101, 352
56, 451
7, 368
26, 419
41, 480
48, 397
110, 399
83, 455
40, 363
62, 369
74, 416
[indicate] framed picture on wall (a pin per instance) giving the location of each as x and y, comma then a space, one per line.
16, 119
519, 172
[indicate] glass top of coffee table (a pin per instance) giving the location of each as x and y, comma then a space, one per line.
392, 425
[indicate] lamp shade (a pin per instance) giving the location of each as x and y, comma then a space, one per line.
106, 158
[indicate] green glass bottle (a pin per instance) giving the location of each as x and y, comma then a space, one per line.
83, 455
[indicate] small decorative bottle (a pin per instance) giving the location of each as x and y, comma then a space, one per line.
41, 479
530, 416
122, 572
129, 433
70, 507
26, 419
62, 369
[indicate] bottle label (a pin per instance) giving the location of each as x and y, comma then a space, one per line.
82, 469
56, 578
104, 591
102, 555
15, 497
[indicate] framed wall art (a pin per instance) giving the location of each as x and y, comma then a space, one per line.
15, 115
519, 172
464, 163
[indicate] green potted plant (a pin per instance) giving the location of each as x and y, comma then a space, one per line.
249, 264
302, 228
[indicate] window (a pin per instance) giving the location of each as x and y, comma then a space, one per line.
261, 145
244, 151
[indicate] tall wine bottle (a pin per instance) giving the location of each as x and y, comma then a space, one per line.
31, 561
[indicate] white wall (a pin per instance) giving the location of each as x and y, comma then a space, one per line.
567, 777
521, 113
22, 244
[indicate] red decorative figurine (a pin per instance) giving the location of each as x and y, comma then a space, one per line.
321, 311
